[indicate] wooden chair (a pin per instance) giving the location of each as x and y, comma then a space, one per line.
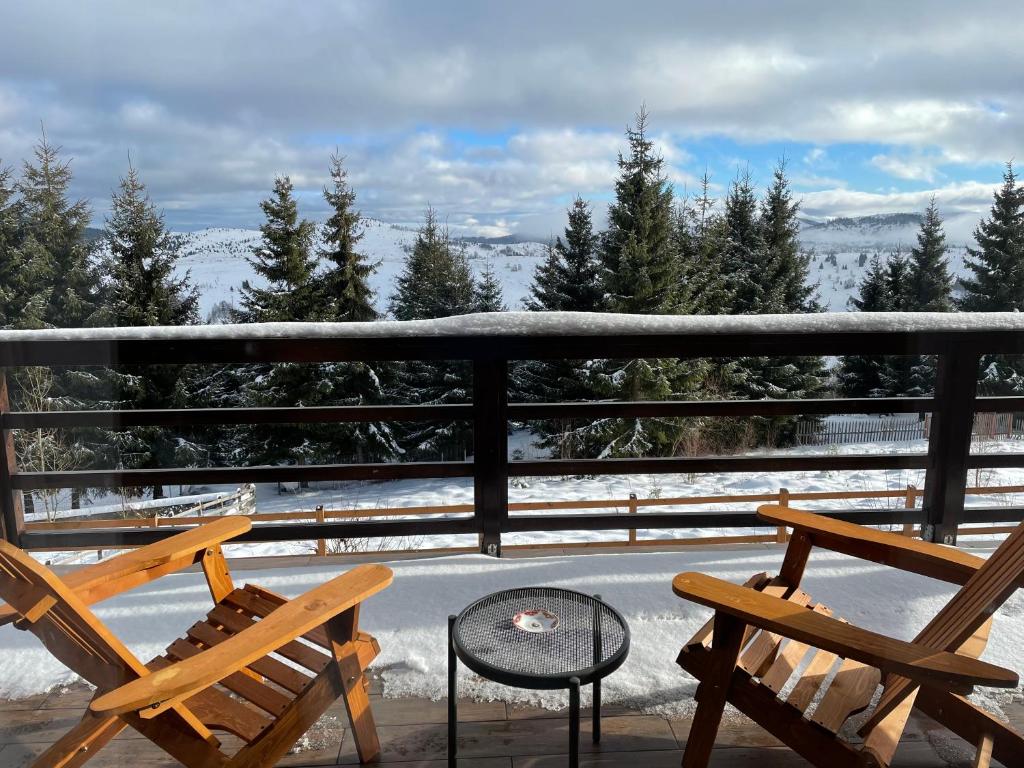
259, 666
767, 629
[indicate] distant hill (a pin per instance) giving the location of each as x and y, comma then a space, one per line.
92, 234
879, 231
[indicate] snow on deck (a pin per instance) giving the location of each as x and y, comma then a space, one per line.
410, 618
513, 324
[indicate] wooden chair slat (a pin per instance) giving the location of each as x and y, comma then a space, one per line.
788, 659
850, 692
260, 694
308, 657
277, 672
261, 602
811, 680
220, 712
759, 656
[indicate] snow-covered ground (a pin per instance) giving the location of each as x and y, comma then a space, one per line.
409, 618
430, 492
216, 257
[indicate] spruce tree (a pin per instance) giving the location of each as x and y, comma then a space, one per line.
26, 273
997, 264
997, 284
700, 237
487, 296
54, 235
640, 268
436, 282
929, 282
566, 281
860, 375
930, 289
346, 293
744, 247
641, 274
345, 296
897, 373
53, 247
284, 259
142, 289
778, 281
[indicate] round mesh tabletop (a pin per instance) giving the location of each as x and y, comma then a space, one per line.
590, 641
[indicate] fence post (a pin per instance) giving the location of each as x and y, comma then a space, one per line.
321, 544
12, 515
781, 536
949, 445
490, 451
632, 510
910, 503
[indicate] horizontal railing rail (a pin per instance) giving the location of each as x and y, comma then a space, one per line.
490, 343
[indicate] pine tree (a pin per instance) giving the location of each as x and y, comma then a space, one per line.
285, 261
997, 284
778, 282
435, 282
142, 289
640, 267
54, 236
566, 281
487, 296
26, 274
700, 237
744, 247
997, 264
860, 375
345, 295
929, 281
930, 289
641, 274
896, 375
53, 247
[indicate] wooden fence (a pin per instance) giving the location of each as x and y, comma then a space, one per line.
905, 499
987, 426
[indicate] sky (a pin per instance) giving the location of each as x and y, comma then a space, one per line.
498, 114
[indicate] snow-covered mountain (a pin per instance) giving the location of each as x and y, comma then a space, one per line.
216, 257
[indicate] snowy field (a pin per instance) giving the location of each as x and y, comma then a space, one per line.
409, 618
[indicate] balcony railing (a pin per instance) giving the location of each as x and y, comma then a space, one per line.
490, 343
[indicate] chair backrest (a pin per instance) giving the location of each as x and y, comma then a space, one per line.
63, 622
990, 586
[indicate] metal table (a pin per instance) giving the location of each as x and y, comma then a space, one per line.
590, 642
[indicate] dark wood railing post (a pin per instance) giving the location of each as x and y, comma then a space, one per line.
490, 451
949, 443
12, 518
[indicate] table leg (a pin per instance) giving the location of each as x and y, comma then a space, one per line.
453, 695
574, 722
597, 711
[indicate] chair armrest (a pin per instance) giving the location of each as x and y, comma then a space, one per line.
907, 554
165, 687
97, 582
917, 662
110, 577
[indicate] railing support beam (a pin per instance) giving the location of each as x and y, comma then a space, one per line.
490, 451
12, 518
949, 443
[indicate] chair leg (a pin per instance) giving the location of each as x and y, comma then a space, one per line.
713, 690
83, 741
360, 715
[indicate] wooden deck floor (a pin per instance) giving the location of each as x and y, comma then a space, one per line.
413, 734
